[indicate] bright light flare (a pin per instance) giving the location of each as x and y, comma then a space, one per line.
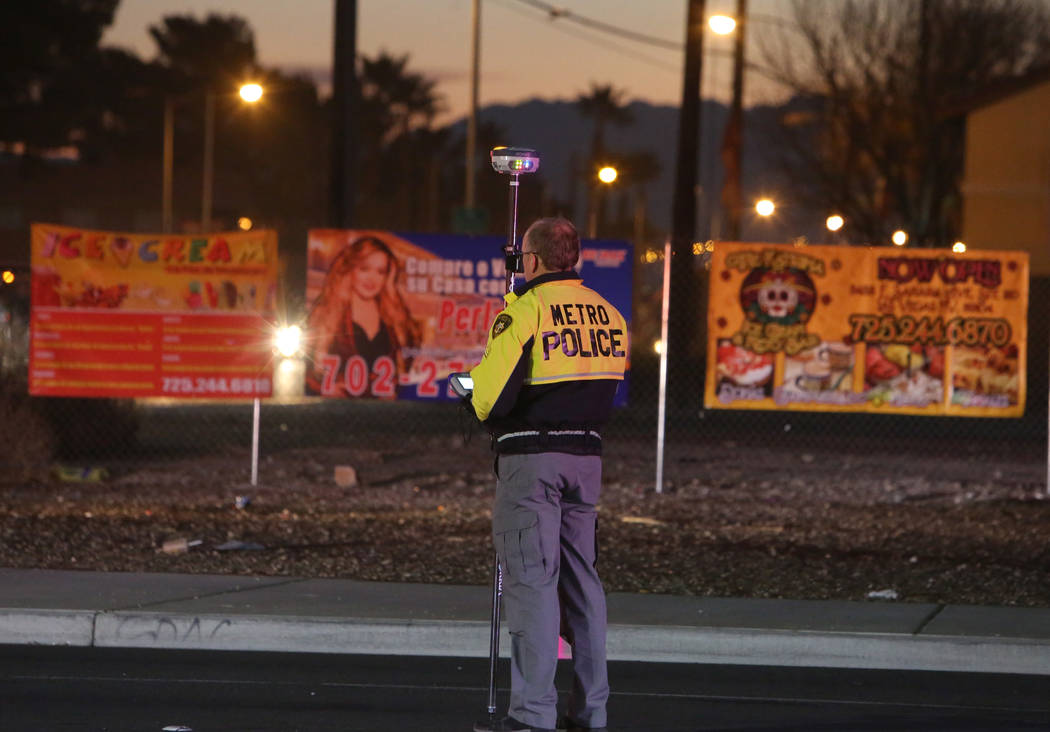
900, 237
288, 340
834, 222
658, 346
8, 277
607, 174
959, 247
765, 207
251, 93
244, 223
723, 25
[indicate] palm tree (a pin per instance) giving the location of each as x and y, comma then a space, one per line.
640, 168
605, 104
398, 98
218, 51
397, 109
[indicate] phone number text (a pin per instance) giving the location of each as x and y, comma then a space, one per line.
214, 385
929, 331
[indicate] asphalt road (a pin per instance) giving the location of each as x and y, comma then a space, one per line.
56, 689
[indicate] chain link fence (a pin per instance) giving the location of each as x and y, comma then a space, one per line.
40, 432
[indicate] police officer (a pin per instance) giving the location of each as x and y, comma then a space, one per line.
554, 359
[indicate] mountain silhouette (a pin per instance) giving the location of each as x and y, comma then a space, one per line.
562, 136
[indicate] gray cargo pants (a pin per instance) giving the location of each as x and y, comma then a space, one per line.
543, 523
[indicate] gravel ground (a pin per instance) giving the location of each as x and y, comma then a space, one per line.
734, 520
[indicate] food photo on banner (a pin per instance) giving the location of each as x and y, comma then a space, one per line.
118, 314
391, 315
872, 329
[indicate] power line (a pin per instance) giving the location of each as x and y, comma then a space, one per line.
593, 39
556, 13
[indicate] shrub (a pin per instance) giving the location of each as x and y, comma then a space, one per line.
27, 440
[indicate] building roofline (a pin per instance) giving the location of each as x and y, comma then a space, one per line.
999, 91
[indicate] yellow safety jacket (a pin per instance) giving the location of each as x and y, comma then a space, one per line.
554, 358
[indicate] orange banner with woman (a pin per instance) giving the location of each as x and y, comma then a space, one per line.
874, 329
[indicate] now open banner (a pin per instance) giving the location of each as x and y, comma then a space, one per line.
873, 329
143, 315
391, 315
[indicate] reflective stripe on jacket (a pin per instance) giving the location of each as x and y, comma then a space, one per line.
553, 361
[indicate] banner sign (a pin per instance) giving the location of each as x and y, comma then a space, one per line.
392, 315
874, 329
144, 315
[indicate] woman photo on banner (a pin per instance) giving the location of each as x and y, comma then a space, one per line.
359, 325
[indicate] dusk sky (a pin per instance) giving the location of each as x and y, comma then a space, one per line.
523, 53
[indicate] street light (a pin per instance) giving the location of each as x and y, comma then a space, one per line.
607, 174
250, 93
959, 247
723, 25
834, 222
900, 237
765, 207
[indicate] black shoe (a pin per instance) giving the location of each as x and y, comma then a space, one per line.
570, 725
509, 724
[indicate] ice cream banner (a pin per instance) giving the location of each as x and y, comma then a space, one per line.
392, 315
136, 315
873, 329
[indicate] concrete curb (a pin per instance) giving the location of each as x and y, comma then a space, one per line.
828, 649
292, 634
468, 638
47, 627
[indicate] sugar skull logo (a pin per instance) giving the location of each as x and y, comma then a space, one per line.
785, 297
777, 296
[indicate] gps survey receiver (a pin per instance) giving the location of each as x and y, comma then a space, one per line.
513, 161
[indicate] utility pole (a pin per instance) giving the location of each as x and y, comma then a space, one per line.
684, 304
472, 120
344, 104
733, 141
924, 225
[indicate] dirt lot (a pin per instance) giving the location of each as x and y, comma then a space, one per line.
734, 520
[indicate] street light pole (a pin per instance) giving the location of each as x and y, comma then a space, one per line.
209, 152
166, 215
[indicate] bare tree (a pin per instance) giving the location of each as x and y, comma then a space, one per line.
881, 86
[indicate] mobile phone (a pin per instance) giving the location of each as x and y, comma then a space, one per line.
461, 383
